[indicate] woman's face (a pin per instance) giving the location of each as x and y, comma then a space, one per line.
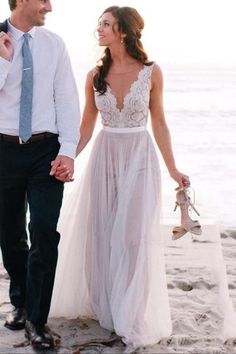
107, 30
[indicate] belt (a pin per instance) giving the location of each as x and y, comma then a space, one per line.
124, 130
34, 138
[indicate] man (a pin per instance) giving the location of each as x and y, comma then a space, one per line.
39, 123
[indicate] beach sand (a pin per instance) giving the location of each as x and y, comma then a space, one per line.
197, 270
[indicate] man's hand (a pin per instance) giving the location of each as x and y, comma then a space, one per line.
62, 168
6, 46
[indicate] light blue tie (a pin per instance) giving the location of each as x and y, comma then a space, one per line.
25, 126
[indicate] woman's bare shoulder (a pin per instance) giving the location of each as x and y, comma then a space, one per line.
90, 75
156, 71
93, 71
157, 76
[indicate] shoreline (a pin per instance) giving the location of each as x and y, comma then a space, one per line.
196, 321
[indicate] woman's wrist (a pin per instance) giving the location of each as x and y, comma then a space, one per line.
172, 170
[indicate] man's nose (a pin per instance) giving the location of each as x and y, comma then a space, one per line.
49, 6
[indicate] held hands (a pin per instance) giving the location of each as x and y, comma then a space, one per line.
62, 168
6, 46
180, 178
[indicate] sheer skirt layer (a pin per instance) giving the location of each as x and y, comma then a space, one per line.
111, 262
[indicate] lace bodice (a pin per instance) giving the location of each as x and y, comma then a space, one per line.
135, 106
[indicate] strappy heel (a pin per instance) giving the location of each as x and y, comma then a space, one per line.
183, 201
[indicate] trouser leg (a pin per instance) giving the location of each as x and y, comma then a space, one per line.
44, 197
13, 236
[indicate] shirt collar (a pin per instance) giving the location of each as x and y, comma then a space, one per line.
17, 34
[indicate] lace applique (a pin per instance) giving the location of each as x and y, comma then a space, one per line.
136, 103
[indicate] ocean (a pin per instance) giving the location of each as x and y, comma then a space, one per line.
201, 112
200, 109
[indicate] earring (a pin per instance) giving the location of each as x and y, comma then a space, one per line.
122, 41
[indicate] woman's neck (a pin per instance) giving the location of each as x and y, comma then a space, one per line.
121, 60
119, 55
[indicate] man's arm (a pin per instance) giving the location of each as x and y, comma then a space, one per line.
66, 105
67, 113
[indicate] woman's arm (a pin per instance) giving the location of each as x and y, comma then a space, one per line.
89, 116
160, 129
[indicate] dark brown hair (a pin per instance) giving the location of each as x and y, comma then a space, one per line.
130, 23
12, 4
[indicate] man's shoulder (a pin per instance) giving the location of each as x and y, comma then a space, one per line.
4, 26
46, 33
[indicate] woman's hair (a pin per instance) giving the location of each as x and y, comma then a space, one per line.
12, 4
130, 23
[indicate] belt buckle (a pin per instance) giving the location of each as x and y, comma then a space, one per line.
21, 142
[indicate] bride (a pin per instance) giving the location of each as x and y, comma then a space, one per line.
111, 264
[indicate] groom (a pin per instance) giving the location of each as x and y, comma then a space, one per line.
39, 123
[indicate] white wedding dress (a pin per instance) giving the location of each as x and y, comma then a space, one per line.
111, 260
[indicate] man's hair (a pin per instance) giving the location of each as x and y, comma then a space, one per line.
12, 4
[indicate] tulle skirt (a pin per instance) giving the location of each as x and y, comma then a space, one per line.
111, 260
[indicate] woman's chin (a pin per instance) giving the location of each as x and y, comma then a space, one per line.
102, 43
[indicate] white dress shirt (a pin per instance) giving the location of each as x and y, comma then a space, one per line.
55, 97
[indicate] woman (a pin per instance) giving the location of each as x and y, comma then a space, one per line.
111, 262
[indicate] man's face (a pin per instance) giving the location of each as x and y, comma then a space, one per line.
34, 11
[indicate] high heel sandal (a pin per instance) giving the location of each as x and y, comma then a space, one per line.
187, 224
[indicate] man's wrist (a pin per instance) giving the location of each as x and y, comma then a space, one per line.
68, 149
65, 156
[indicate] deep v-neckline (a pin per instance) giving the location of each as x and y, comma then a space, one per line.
120, 110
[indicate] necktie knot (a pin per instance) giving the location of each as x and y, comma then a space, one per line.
26, 36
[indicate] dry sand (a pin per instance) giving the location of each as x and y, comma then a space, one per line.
195, 274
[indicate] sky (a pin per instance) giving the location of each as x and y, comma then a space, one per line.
176, 31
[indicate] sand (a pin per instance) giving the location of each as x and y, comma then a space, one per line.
198, 270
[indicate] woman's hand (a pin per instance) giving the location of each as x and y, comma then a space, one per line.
182, 179
62, 168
